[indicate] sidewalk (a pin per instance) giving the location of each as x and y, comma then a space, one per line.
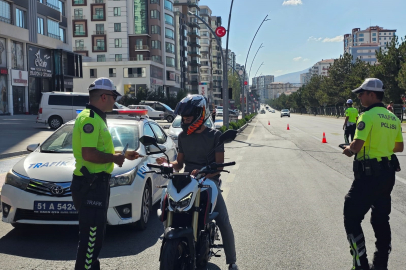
19, 131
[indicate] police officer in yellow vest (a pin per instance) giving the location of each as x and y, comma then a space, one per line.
95, 157
377, 138
351, 116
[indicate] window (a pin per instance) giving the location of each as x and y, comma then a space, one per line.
117, 43
170, 48
79, 44
155, 14
154, 2
53, 29
360, 39
78, 13
373, 39
148, 131
78, 2
156, 58
40, 25
117, 27
170, 61
61, 6
374, 34
99, 45
53, 4
160, 135
101, 58
155, 44
80, 100
134, 73
100, 29
360, 35
93, 71
20, 18
112, 72
117, 11
169, 33
5, 14
60, 100
99, 14
168, 5
169, 19
385, 38
118, 57
62, 34
155, 29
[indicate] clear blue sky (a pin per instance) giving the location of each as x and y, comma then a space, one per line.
293, 38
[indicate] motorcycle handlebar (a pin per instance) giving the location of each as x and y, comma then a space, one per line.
226, 164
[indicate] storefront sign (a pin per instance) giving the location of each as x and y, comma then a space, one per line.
203, 90
3, 71
68, 82
39, 62
19, 78
157, 82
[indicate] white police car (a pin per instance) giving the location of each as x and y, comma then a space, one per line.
37, 189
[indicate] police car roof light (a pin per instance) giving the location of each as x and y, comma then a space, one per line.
134, 112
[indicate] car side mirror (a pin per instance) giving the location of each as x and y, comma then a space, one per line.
148, 140
166, 126
152, 149
32, 147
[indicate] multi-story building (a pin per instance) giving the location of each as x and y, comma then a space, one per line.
305, 77
181, 35
260, 84
193, 42
321, 68
35, 53
363, 44
231, 58
206, 79
217, 66
275, 89
131, 42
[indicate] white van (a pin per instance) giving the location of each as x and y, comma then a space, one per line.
57, 108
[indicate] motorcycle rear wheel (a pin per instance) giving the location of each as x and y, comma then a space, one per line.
175, 255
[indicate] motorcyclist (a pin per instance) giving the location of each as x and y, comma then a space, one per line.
195, 142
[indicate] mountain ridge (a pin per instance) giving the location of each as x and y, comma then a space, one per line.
293, 77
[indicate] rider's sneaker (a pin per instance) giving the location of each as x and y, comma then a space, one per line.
233, 266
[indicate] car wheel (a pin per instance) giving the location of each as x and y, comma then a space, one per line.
169, 118
289, 115
55, 122
146, 208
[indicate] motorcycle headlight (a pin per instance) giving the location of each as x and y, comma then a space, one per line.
125, 179
15, 180
182, 203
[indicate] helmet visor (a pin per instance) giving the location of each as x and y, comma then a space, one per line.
185, 109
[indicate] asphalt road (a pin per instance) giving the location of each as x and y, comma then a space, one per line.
285, 199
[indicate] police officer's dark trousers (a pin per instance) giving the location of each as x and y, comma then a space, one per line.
370, 192
349, 131
92, 202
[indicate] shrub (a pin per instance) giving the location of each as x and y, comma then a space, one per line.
237, 125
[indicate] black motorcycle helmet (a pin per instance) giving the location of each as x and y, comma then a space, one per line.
196, 106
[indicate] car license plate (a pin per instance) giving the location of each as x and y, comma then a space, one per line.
54, 207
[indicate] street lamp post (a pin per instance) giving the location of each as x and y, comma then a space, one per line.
243, 103
225, 65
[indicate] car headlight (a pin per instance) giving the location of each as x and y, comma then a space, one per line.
125, 179
15, 180
182, 203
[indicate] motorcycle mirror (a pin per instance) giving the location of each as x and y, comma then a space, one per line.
148, 140
227, 136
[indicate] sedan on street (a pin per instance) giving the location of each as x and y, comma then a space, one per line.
285, 112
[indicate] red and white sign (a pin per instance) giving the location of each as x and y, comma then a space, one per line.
19, 78
203, 90
221, 31
157, 82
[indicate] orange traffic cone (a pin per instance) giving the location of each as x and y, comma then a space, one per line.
269, 123
324, 138
288, 127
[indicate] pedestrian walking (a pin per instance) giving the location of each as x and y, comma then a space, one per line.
390, 106
378, 136
351, 116
95, 157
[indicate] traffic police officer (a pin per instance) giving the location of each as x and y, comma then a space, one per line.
95, 157
377, 138
351, 116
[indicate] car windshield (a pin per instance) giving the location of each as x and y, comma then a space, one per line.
119, 106
219, 107
285, 110
166, 106
61, 140
176, 123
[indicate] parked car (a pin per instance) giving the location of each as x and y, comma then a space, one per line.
169, 114
262, 111
219, 112
37, 188
153, 114
56, 108
285, 112
175, 128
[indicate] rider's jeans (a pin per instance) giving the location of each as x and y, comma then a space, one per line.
223, 222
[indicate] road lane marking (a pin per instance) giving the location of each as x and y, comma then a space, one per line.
252, 131
400, 179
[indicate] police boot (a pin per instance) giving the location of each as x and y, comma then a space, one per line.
373, 267
358, 252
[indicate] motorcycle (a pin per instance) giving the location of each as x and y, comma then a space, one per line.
187, 211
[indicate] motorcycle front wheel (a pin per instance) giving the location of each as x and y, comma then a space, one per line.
175, 256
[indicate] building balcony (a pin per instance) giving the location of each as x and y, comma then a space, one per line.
99, 32
194, 63
79, 33
193, 3
78, 17
194, 53
194, 33
141, 47
81, 48
54, 36
99, 48
6, 20
194, 24
194, 44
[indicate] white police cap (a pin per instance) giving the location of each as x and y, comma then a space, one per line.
104, 84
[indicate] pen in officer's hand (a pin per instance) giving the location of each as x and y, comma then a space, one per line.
124, 150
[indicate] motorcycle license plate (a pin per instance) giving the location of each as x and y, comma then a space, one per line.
54, 207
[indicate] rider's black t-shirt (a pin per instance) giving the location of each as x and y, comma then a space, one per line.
196, 146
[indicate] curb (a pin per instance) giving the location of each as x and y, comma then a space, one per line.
7, 155
242, 128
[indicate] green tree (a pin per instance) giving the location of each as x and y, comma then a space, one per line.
234, 82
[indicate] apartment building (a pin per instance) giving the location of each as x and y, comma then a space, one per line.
260, 84
275, 89
231, 58
131, 42
35, 53
206, 80
363, 44
217, 66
